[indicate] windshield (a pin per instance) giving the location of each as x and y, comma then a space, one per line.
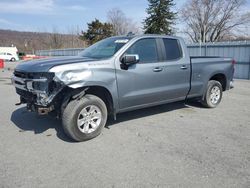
105, 48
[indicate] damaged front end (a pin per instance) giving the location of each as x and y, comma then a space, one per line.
38, 90
44, 92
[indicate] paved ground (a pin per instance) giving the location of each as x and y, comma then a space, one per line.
172, 145
8, 65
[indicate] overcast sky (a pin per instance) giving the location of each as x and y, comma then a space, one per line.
44, 15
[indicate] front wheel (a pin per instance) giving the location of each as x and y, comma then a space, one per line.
213, 94
85, 118
12, 59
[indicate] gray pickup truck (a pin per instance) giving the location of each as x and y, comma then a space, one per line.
119, 74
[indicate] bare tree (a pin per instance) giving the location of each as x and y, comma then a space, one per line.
29, 42
213, 20
73, 40
121, 24
56, 39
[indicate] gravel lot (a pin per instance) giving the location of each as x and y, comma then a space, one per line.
173, 145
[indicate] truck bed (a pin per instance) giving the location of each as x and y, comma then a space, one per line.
203, 68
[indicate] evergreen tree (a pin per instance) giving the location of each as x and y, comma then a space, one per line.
97, 31
161, 18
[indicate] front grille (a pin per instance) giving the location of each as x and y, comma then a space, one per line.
21, 74
34, 75
25, 94
29, 83
35, 88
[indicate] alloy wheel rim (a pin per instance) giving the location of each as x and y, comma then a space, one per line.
215, 95
89, 119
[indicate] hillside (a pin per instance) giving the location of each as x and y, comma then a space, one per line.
31, 41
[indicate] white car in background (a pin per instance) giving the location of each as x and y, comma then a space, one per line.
7, 56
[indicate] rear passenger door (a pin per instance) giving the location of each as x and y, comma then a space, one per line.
176, 70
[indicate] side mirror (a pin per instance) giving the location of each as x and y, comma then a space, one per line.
128, 60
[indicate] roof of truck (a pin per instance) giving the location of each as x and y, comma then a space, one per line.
130, 36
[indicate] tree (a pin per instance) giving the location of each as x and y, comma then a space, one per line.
121, 24
97, 31
213, 20
161, 18
55, 39
73, 40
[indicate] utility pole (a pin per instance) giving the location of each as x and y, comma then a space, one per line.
200, 41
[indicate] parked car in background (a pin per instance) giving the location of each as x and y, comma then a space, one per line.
9, 53
7, 56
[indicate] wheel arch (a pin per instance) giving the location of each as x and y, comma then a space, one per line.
104, 94
99, 91
220, 77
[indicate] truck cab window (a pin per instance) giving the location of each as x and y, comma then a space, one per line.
172, 49
146, 49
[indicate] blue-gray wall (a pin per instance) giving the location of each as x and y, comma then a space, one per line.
239, 51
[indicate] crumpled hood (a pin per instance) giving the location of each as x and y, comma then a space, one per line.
43, 65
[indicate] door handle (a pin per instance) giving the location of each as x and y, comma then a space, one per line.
184, 67
158, 69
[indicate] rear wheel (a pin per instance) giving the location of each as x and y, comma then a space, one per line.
13, 59
213, 94
85, 118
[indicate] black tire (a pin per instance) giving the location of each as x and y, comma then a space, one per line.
12, 59
207, 101
72, 111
